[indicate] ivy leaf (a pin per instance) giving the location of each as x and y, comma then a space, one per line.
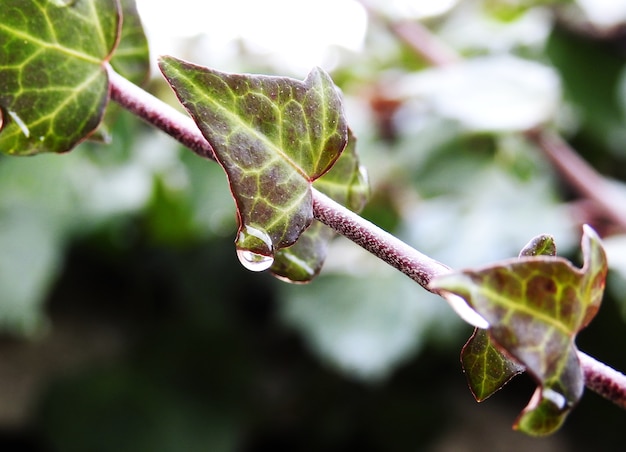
273, 136
302, 261
346, 183
486, 367
535, 307
53, 77
131, 59
542, 245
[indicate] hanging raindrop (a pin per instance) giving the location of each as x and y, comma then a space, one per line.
255, 249
253, 261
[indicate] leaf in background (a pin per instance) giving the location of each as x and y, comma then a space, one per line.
535, 307
364, 324
273, 136
600, 119
478, 92
486, 368
53, 86
346, 183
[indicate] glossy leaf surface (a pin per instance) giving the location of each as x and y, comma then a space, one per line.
273, 136
53, 81
535, 307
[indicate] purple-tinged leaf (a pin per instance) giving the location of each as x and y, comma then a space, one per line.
487, 369
535, 306
273, 136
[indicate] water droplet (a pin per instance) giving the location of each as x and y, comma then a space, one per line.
255, 249
253, 261
21, 124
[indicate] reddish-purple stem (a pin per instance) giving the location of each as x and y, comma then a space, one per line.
604, 380
158, 113
419, 267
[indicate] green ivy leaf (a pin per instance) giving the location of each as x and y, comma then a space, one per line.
53, 77
131, 60
542, 245
131, 57
486, 368
535, 307
346, 183
273, 136
302, 261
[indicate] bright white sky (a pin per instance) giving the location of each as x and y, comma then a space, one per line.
286, 29
298, 32
295, 33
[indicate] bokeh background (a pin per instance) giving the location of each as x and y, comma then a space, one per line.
127, 323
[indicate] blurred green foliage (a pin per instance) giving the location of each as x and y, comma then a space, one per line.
138, 236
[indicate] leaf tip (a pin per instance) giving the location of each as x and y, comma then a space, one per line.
593, 251
542, 245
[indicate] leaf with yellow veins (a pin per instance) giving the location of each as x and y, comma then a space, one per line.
535, 306
273, 136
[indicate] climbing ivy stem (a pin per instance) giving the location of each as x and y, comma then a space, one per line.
417, 266
422, 269
156, 112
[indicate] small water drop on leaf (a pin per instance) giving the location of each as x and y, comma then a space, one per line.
255, 249
254, 262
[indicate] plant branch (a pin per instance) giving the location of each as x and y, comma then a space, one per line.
156, 112
418, 38
604, 380
396, 253
419, 267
